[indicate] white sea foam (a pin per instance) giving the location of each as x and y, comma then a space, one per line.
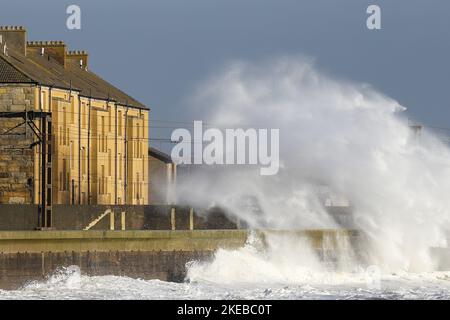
431, 285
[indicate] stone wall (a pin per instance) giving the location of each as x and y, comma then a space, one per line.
16, 158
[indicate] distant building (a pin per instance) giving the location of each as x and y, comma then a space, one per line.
66, 135
162, 177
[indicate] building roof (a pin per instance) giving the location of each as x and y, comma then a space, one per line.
15, 67
9, 74
155, 153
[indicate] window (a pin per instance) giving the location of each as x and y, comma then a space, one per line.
102, 134
72, 165
72, 109
83, 161
142, 138
109, 163
44, 100
66, 168
119, 122
103, 180
64, 110
84, 116
102, 186
138, 141
109, 119
137, 186
64, 177
120, 166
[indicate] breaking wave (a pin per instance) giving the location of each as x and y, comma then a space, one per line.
337, 139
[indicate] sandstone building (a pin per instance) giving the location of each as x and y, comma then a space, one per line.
66, 135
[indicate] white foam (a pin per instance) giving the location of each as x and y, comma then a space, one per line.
321, 285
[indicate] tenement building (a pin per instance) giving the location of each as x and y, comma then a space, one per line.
66, 135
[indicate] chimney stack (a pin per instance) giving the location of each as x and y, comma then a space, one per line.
15, 37
79, 57
54, 49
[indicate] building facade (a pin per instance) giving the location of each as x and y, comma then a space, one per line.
66, 135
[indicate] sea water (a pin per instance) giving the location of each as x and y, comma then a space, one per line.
276, 271
69, 284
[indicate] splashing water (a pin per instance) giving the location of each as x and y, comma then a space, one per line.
334, 133
67, 284
284, 259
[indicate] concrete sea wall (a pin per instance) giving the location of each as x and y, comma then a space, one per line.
33, 255
148, 242
138, 217
150, 217
157, 254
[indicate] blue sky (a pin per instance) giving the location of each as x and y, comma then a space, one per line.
158, 51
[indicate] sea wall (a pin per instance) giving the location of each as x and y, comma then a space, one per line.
33, 255
151, 217
19, 269
137, 217
145, 254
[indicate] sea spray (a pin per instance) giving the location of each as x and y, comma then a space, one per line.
334, 133
279, 257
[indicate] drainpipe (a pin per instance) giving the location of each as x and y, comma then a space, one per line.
39, 152
54, 146
126, 156
115, 158
88, 152
79, 148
